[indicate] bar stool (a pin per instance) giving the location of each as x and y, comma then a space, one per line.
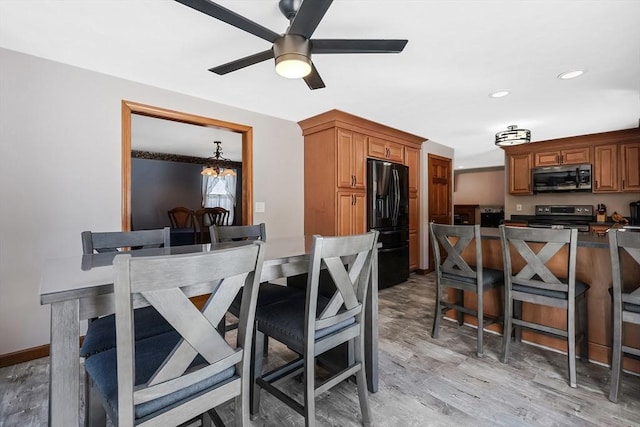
453, 271
534, 283
626, 302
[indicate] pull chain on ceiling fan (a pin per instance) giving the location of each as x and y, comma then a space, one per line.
292, 50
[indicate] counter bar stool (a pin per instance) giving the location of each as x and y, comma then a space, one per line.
626, 302
534, 283
452, 271
314, 324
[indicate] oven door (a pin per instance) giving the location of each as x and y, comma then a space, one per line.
554, 179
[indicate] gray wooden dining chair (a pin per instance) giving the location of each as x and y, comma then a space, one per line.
626, 300
171, 378
269, 292
101, 331
535, 283
453, 272
313, 324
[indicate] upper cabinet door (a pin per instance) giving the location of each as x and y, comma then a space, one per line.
605, 168
385, 150
359, 157
630, 156
520, 174
573, 156
412, 160
345, 158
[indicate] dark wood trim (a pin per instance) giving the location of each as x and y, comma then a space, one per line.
150, 155
421, 271
24, 355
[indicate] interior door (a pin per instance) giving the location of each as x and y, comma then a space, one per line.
440, 190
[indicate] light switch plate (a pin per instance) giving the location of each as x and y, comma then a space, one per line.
519, 207
259, 207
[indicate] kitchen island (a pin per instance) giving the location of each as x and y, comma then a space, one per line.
593, 267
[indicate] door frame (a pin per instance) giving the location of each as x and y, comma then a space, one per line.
129, 108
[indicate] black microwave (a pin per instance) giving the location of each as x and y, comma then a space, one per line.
551, 179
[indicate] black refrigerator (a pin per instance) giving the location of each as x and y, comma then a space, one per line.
388, 212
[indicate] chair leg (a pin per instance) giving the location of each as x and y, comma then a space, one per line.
517, 313
480, 322
584, 327
361, 377
94, 413
616, 355
309, 390
571, 341
256, 372
506, 333
460, 302
437, 314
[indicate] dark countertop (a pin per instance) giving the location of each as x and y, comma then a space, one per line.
585, 239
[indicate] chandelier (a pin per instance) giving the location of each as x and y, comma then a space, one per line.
218, 165
513, 136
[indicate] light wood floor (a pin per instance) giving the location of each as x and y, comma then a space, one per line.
423, 382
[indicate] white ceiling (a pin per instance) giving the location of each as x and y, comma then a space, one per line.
458, 53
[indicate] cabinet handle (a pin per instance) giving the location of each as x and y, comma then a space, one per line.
623, 184
561, 158
557, 158
353, 199
597, 184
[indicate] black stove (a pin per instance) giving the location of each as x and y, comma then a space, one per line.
563, 216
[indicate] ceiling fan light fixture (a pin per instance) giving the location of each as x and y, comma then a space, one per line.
513, 136
293, 56
293, 65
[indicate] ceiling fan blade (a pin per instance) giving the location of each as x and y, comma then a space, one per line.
313, 79
308, 17
357, 46
242, 62
225, 15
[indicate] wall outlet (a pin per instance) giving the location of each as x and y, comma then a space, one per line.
259, 207
519, 207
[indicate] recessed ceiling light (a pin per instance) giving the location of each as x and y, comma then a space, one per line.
499, 94
571, 74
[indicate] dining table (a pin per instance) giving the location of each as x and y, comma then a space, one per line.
80, 287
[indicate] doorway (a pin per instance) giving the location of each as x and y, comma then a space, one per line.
440, 191
129, 108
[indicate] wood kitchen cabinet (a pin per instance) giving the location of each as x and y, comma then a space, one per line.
520, 174
352, 213
605, 168
615, 157
572, 156
336, 147
352, 168
630, 159
385, 150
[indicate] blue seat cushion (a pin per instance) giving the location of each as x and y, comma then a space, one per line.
101, 334
581, 288
268, 293
150, 353
284, 321
490, 277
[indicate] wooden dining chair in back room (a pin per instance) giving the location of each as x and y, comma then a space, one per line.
453, 272
184, 218
624, 247
535, 283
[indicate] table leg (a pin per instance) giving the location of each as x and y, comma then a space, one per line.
64, 365
371, 326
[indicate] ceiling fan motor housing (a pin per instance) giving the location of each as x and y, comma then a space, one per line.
292, 47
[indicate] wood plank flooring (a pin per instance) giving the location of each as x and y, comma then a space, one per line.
423, 382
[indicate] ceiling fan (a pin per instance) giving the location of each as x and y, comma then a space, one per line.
292, 50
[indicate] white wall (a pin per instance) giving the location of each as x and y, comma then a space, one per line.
429, 147
60, 173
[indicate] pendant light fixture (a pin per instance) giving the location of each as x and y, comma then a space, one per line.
513, 136
218, 165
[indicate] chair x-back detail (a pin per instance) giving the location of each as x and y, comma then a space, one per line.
171, 378
626, 300
452, 271
535, 283
314, 324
